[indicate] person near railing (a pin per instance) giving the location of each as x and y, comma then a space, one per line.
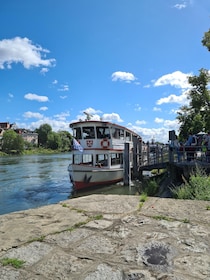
190, 146
207, 144
176, 147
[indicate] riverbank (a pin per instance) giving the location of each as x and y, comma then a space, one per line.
108, 237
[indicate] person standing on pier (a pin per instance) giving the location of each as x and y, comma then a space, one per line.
190, 149
207, 144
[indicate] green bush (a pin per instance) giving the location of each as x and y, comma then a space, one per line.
198, 186
150, 187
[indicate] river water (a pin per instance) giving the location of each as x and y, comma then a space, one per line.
35, 180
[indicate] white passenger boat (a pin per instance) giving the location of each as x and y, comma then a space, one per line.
97, 156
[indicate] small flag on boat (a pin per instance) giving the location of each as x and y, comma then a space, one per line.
77, 146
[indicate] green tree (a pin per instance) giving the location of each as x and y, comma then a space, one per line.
53, 140
12, 142
196, 116
206, 40
43, 132
65, 140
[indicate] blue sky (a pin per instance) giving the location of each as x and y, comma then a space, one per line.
125, 61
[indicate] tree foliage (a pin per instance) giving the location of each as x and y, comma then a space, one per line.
43, 132
12, 142
196, 116
66, 138
206, 40
49, 139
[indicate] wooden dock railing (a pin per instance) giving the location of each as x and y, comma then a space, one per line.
161, 155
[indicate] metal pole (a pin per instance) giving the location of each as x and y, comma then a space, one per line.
127, 169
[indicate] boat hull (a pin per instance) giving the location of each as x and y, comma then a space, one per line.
89, 177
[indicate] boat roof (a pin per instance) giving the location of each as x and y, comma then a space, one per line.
105, 123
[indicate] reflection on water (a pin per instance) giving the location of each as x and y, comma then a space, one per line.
111, 189
36, 180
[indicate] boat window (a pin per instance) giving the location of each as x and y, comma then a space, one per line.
128, 136
77, 159
102, 132
71, 159
116, 158
118, 133
77, 133
87, 159
88, 132
115, 133
102, 160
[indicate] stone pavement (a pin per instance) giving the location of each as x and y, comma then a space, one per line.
108, 237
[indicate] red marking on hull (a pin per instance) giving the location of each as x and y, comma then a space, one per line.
83, 185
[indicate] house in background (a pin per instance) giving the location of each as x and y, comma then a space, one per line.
28, 135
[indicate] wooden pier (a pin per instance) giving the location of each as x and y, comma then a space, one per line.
148, 157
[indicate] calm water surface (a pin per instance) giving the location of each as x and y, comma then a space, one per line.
36, 180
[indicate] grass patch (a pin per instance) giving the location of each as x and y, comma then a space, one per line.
186, 221
208, 207
165, 218
143, 197
196, 188
40, 239
97, 217
64, 205
141, 205
150, 187
13, 262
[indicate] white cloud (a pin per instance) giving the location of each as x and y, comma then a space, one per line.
33, 96
147, 86
63, 96
137, 107
123, 76
140, 122
111, 117
44, 108
180, 99
11, 95
97, 116
176, 79
55, 124
159, 120
90, 111
55, 82
180, 6
29, 115
157, 109
158, 134
22, 50
44, 70
64, 88
62, 116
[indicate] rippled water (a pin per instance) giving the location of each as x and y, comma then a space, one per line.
36, 180
32, 181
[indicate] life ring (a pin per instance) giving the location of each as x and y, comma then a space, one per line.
105, 143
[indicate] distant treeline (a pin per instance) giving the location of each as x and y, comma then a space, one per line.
13, 143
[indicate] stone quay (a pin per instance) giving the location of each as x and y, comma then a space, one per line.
108, 237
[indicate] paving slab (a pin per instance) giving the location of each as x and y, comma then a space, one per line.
108, 237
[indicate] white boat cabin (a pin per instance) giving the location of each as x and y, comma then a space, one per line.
103, 143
